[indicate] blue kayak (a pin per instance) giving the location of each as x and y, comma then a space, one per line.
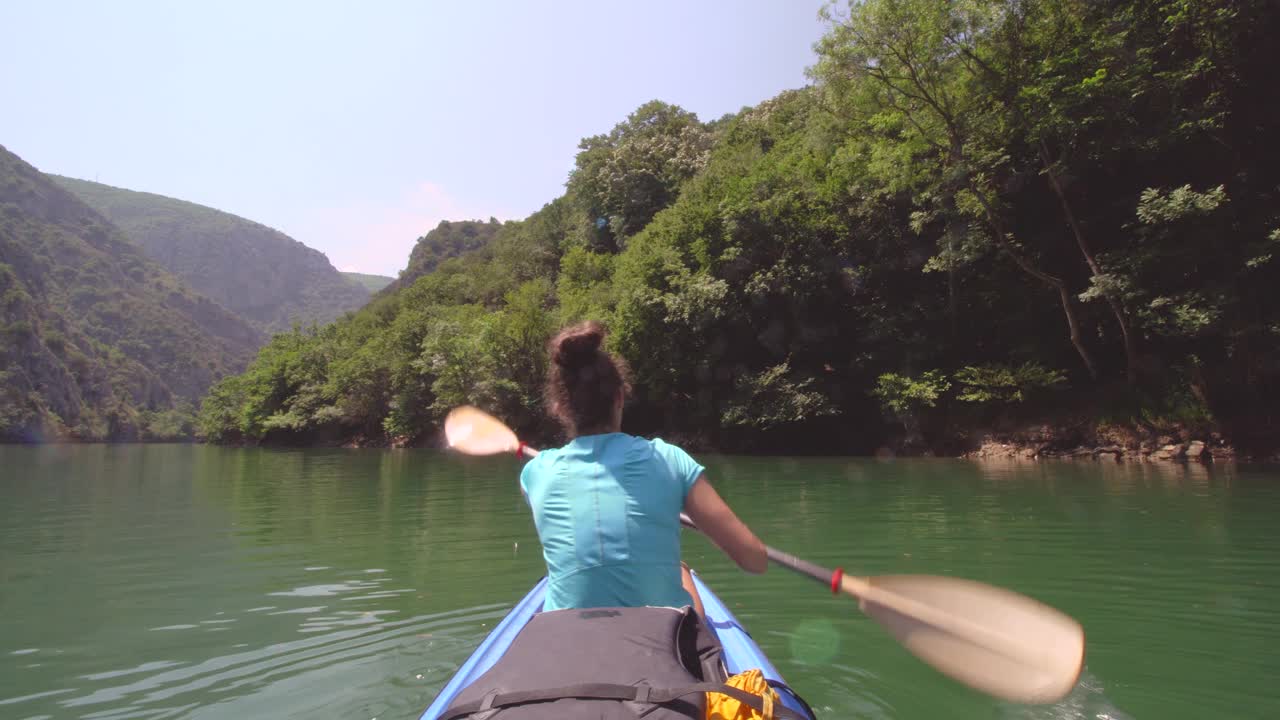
740, 652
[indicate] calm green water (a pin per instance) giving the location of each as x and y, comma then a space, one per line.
197, 582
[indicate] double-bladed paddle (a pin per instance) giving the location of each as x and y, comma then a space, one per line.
991, 639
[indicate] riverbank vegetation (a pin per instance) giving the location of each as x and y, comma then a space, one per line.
981, 216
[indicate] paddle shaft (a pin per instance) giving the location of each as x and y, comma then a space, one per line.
787, 560
864, 589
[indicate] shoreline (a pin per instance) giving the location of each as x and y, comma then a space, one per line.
1195, 451
1198, 452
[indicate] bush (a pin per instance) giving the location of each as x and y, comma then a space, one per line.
1005, 383
901, 394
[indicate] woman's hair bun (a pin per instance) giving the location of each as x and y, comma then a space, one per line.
577, 346
584, 381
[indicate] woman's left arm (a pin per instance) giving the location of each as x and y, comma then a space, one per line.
717, 521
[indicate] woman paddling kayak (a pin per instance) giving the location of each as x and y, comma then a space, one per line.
607, 504
989, 638
618, 628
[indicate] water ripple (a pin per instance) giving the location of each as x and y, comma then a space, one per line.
256, 668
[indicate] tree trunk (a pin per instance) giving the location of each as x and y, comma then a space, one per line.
952, 230
1073, 324
1132, 358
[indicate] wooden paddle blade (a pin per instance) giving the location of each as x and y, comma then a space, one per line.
476, 432
991, 639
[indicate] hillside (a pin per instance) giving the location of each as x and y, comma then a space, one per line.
449, 239
98, 342
372, 283
265, 276
1058, 225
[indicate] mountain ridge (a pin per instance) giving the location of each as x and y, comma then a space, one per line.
254, 270
100, 342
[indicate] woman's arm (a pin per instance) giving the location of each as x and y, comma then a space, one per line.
716, 520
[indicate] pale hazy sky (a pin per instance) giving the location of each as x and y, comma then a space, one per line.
356, 126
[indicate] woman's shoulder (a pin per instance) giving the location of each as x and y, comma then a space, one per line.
540, 462
655, 446
666, 449
631, 448
657, 450
680, 463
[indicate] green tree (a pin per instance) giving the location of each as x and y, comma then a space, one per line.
625, 177
910, 72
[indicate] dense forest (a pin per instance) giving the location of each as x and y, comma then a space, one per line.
1053, 216
261, 274
97, 341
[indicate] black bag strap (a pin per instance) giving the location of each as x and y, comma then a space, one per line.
610, 691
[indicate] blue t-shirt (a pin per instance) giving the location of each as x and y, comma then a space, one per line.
607, 508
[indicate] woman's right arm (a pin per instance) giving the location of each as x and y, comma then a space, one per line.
716, 520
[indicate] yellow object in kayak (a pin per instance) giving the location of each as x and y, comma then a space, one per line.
723, 707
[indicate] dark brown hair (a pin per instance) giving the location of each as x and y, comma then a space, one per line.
584, 380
